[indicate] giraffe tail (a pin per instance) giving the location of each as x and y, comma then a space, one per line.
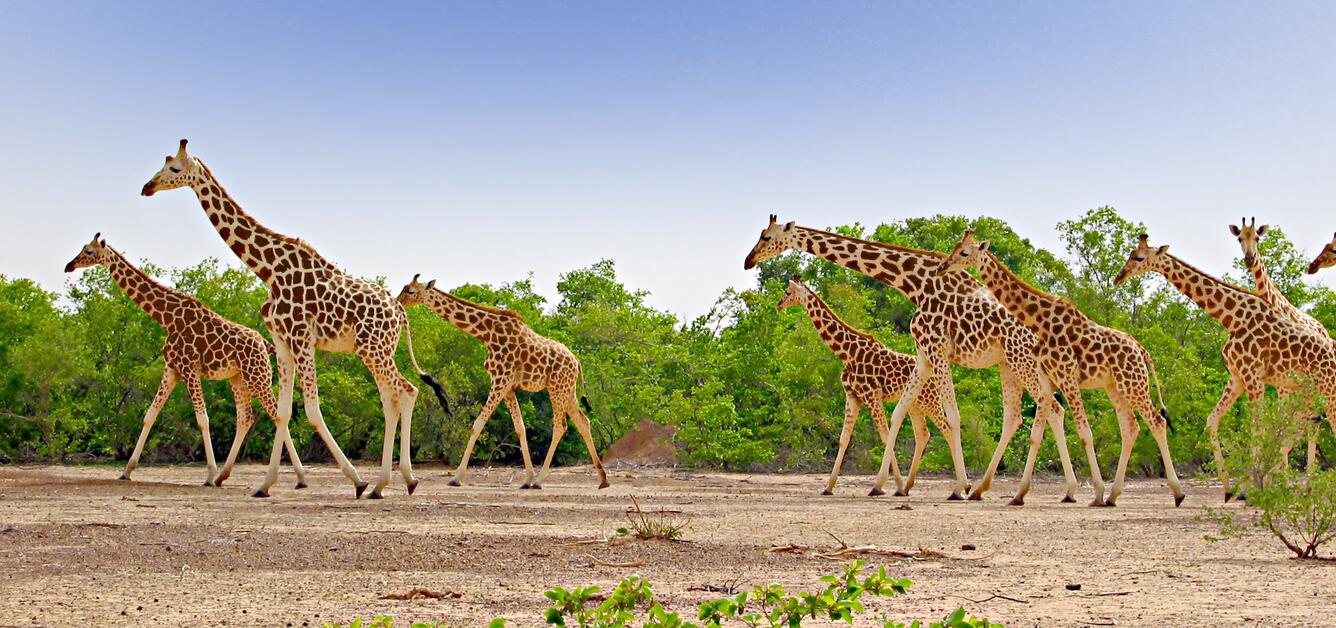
1159, 389
422, 374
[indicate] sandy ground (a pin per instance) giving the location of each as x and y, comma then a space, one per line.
78, 546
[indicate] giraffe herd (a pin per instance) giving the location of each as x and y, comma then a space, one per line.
1041, 343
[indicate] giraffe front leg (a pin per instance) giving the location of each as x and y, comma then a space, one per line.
245, 420
1011, 421
281, 412
1077, 404
493, 398
304, 356
921, 437
513, 404
202, 420
1036, 439
1233, 389
889, 464
851, 407
407, 401
1128, 430
169, 378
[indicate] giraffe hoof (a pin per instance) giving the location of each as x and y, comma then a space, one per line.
361, 486
535, 486
375, 494
1097, 503
900, 493
455, 482
955, 497
209, 483
1178, 500
219, 482
524, 486
412, 486
259, 493
827, 492
1068, 499
877, 491
300, 485
1240, 497
604, 484
976, 496
1111, 503
1016, 501
125, 477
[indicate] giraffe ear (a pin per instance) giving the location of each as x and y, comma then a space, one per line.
102, 244
1233, 230
1261, 230
431, 284
983, 246
789, 225
1162, 250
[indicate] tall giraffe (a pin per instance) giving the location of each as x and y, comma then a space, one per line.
200, 344
1078, 353
1264, 346
517, 357
1326, 258
312, 306
1249, 237
958, 322
873, 375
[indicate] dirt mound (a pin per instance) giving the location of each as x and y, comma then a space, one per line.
648, 443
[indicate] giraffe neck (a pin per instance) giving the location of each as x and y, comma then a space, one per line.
151, 296
1265, 287
1221, 300
471, 318
258, 246
910, 271
1025, 302
836, 333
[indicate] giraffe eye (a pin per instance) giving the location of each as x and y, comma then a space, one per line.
175, 169
1141, 258
765, 238
964, 254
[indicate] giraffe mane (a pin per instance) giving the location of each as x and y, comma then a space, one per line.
1036, 292
1215, 280
486, 308
850, 328
260, 227
874, 243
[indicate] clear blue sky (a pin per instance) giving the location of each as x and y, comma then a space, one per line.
480, 141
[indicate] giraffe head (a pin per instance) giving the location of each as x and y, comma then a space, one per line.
1143, 259
966, 253
94, 253
415, 292
797, 294
775, 239
179, 171
1249, 235
1324, 259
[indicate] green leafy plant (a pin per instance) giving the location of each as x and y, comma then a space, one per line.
385, 621
650, 525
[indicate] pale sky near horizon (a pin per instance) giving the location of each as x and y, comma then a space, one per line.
477, 142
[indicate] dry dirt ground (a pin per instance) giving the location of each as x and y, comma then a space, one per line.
78, 547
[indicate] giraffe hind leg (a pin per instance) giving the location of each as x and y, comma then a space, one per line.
169, 379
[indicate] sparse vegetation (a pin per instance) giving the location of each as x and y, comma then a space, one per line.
648, 525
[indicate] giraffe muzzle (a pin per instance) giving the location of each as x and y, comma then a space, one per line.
148, 189
69, 268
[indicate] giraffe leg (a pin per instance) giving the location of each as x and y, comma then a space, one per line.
1057, 422
888, 462
851, 408
304, 356
948, 391
1231, 394
1031, 455
513, 404
582, 426
169, 378
1159, 429
259, 384
281, 412
202, 420
559, 414
921, 437
1128, 429
407, 400
245, 420
388, 402
494, 398
1011, 421
1077, 404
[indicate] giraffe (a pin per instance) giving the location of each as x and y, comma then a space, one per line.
200, 345
958, 322
1326, 258
1078, 353
1264, 346
312, 306
1249, 237
872, 375
517, 357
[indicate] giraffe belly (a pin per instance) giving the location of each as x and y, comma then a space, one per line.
343, 343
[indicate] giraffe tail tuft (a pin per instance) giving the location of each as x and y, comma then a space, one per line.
584, 401
1168, 421
440, 392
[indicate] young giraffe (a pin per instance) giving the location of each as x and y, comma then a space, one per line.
958, 322
312, 306
200, 345
517, 357
1078, 353
1249, 237
872, 376
1326, 258
1264, 346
